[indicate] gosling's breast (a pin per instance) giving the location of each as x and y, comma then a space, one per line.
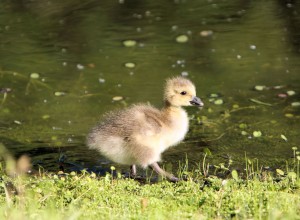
177, 129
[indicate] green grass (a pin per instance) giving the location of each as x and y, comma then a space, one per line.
85, 196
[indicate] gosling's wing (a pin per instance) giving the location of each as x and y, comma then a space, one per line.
149, 120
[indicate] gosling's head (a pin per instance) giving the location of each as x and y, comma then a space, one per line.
180, 91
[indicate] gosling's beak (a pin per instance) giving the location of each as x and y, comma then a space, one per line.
197, 101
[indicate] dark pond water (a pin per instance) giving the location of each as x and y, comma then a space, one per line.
63, 62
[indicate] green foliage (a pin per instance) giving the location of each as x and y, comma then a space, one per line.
84, 196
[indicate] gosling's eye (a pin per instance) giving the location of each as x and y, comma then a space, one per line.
183, 93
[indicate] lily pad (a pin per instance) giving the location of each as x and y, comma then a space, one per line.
182, 39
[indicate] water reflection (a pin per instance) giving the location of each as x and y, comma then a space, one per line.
76, 48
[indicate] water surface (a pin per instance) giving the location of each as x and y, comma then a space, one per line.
77, 50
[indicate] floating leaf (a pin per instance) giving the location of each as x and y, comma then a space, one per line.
129, 43
45, 116
278, 87
117, 98
17, 122
289, 115
182, 39
206, 33
80, 66
260, 88
34, 75
59, 93
295, 104
129, 65
257, 134
243, 126
283, 137
235, 175
218, 102
291, 92
244, 133
280, 172
214, 95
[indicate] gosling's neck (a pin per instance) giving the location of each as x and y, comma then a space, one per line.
171, 109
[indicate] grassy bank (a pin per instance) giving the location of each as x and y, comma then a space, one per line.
86, 196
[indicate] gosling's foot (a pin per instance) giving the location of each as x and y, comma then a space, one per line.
164, 173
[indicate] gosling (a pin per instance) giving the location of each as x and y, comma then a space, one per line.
138, 135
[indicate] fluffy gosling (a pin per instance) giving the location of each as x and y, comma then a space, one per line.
138, 135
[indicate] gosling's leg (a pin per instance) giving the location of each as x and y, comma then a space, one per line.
133, 170
160, 171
